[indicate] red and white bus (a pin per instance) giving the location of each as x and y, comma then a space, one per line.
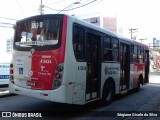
64, 59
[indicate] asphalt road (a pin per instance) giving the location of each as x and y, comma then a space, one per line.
133, 106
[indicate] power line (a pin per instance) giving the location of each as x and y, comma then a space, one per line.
46, 2
6, 23
20, 6
7, 18
6, 26
56, 2
71, 8
82, 5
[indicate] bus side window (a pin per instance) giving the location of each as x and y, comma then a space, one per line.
111, 52
115, 49
18, 33
106, 48
132, 51
135, 53
79, 42
140, 55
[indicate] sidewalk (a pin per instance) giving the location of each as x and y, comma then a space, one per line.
154, 77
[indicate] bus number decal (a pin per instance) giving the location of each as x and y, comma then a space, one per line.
36, 25
46, 61
81, 67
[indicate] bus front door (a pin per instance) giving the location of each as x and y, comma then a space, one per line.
93, 67
124, 66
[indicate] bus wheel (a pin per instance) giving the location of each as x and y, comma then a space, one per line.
138, 85
108, 92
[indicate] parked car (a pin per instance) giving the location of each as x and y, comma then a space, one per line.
4, 76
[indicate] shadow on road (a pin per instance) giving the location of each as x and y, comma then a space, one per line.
7, 95
51, 109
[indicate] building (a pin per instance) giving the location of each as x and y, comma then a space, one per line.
109, 23
156, 43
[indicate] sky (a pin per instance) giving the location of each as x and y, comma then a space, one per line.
141, 14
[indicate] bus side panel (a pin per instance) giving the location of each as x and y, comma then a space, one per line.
75, 81
74, 78
80, 89
111, 70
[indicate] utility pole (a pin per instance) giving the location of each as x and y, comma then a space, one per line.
132, 30
143, 39
41, 8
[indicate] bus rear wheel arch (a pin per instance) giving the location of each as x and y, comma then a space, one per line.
108, 92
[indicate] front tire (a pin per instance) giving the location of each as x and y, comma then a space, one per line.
108, 92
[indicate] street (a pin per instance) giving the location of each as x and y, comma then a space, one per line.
136, 105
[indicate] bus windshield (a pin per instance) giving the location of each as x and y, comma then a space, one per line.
38, 33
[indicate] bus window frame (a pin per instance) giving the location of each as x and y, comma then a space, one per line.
41, 48
112, 51
73, 43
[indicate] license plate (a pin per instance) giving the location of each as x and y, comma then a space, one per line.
31, 83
